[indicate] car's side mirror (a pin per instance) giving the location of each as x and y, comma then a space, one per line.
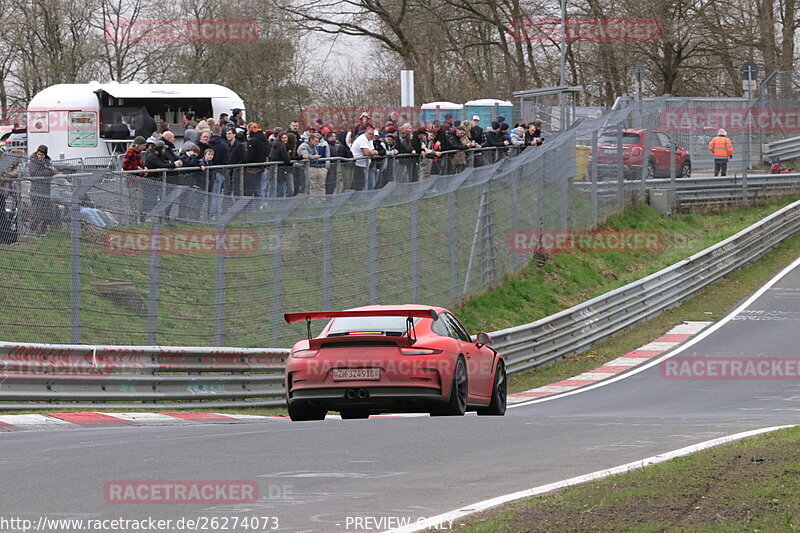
482, 339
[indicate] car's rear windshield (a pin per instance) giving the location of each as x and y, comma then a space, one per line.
384, 324
627, 138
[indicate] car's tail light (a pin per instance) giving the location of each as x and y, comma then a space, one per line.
419, 351
636, 151
365, 333
305, 353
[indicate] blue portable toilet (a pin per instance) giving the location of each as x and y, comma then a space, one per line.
488, 109
429, 111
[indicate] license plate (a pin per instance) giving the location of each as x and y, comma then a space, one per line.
356, 374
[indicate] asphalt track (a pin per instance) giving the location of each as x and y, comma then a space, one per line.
323, 476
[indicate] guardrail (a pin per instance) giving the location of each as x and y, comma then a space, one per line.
33, 376
705, 190
575, 329
783, 149
178, 377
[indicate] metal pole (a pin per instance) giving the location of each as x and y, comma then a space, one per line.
620, 170
452, 230
673, 150
373, 257
277, 257
563, 76
645, 165
327, 268
595, 156
474, 247
414, 252
75, 269
219, 304
152, 307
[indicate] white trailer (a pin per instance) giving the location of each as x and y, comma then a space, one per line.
73, 119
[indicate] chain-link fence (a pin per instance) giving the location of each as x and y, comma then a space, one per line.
216, 256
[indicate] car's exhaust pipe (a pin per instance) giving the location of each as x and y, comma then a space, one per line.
350, 394
363, 394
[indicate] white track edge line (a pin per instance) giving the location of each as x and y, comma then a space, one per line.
436, 521
691, 342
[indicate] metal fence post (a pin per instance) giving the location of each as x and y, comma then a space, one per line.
564, 185
276, 284
219, 305
645, 165
327, 262
673, 151
415, 251
620, 170
593, 170
75, 269
152, 300
452, 235
518, 260
373, 256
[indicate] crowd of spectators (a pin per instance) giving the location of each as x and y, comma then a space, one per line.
303, 156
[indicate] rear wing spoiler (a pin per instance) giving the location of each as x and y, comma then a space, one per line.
403, 342
316, 315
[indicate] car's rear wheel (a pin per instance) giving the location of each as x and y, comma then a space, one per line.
301, 412
457, 404
497, 407
351, 414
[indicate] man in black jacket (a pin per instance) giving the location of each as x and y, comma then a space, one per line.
144, 124
476, 131
257, 150
236, 156
154, 158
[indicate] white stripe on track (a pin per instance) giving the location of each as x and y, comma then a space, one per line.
691, 342
446, 518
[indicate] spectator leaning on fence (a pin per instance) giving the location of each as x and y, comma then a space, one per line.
280, 154
256, 180
476, 132
316, 169
363, 149
722, 149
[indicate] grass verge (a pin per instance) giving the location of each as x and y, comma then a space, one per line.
749, 485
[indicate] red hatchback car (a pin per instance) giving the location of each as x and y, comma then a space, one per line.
633, 145
379, 359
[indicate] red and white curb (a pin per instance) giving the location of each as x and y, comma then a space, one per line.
666, 342
96, 419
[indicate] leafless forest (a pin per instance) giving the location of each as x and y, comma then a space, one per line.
459, 49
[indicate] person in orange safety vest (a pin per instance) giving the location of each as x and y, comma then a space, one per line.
722, 148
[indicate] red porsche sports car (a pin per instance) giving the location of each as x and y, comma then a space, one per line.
405, 358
